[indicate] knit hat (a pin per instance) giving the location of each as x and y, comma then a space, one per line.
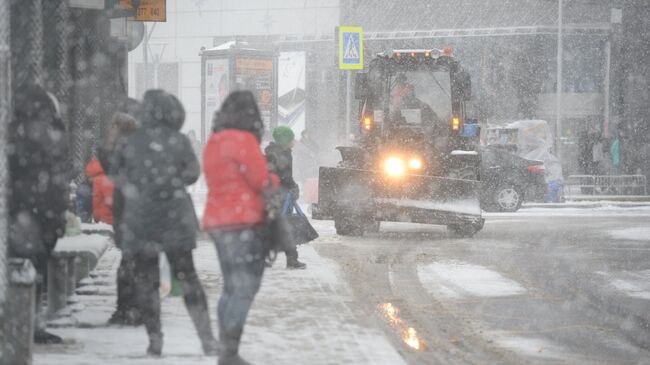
283, 136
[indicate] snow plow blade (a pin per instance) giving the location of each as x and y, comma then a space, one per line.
412, 198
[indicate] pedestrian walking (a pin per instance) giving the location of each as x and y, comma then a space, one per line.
102, 192
39, 169
307, 157
122, 125
237, 176
154, 168
598, 156
280, 159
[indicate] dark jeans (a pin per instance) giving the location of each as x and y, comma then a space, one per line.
147, 283
126, 286
241, 256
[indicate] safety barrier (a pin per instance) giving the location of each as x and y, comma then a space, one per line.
605, 185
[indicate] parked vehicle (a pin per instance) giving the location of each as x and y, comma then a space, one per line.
509, 180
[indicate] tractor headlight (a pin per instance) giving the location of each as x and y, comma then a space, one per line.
394, 167
415, 163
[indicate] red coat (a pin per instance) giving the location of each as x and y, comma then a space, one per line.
102, 192
236, 174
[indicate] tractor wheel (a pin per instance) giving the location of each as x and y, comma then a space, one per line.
346, 226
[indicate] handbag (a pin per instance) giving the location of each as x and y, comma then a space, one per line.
301, 230
278, 230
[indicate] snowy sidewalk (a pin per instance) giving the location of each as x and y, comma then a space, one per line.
299, 317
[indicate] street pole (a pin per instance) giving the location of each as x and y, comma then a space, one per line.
5, 117
558, 91
348, 86
145, 58
606, 92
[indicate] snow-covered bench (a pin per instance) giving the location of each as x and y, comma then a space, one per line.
72, 260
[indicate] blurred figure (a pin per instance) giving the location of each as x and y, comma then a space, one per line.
153, 169
237, 175
39, 169
307, 157
122, 125
278, 154
102, 192
598, 156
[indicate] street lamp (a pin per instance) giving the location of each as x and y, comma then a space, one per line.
558, 91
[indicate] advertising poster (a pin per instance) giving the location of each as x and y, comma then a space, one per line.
291, 90
217, 87
256, 75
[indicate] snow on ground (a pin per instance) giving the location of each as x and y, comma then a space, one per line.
529, 346
601, 211
635, 284
633, 234
454, 279
299, 317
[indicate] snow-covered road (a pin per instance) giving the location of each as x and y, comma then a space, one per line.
542, 285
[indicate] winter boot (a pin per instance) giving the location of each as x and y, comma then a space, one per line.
155, 344
292, 261
117, 318
230, 354
201, 320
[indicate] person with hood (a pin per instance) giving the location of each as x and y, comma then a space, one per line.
237, 176
122, 125
154, 167
102, 192
278, 154
39, 169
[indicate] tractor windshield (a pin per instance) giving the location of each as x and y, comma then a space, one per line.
420, 97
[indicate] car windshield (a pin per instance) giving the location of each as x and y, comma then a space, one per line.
420, 97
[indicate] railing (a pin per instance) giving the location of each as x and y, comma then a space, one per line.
605, 185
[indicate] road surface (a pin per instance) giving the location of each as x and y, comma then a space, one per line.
539, 286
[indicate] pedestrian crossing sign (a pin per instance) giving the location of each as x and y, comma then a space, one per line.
350, 48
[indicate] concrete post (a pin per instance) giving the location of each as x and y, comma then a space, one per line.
57, 281
19, 341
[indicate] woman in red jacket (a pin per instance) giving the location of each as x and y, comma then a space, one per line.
236, 174
102, 192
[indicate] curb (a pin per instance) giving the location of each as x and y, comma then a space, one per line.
588, 205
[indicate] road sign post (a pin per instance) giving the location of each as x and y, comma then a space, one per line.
350, 48
350, 41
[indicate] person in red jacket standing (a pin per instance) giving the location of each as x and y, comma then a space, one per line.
237, 174
102, 192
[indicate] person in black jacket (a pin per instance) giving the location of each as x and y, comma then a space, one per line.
123, 124
153, 168
278, 154
39, 167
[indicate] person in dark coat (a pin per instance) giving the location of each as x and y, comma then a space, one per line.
153, 169
278, 154
39, 166
123, 124
237, 176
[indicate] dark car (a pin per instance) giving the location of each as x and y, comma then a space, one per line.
509, 179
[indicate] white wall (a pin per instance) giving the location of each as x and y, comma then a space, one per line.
192, 24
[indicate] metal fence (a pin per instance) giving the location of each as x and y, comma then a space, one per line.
618, 185
5, 115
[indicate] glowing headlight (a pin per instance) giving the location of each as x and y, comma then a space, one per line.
415, 163
394, 167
